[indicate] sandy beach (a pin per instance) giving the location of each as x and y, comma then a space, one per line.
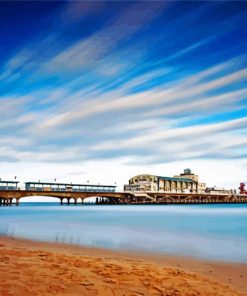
35, 268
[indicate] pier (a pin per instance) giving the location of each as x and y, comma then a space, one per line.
13, 197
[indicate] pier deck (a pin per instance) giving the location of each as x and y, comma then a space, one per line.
10, 197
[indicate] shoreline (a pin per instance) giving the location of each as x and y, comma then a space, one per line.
44, 268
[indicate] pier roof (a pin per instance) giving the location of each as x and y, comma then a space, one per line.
176, 179
68, 184
10, 182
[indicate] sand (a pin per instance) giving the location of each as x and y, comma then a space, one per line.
35, 268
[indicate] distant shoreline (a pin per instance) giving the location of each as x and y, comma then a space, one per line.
34, 268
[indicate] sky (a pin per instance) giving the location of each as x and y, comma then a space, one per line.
103, 91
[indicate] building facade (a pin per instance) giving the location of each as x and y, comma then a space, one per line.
185, 182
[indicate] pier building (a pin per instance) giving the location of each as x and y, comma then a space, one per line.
218, 190
8, 185
46, 186
186, 182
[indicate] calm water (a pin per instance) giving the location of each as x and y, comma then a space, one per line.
206, 231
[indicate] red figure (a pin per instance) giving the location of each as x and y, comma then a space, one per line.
242, 189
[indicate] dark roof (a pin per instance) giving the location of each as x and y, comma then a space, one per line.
66, 184
12, 182
176, 179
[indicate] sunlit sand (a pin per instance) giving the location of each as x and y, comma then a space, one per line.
32, 268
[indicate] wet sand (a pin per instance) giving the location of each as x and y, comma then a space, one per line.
35, 268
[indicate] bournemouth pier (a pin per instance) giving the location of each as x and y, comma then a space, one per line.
142, 189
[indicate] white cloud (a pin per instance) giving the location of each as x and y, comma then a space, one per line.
202, 104
85, 53
181, 91
179, 134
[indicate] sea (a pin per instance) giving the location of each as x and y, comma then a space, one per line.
215, 232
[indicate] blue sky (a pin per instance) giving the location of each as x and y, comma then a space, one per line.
106, 90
